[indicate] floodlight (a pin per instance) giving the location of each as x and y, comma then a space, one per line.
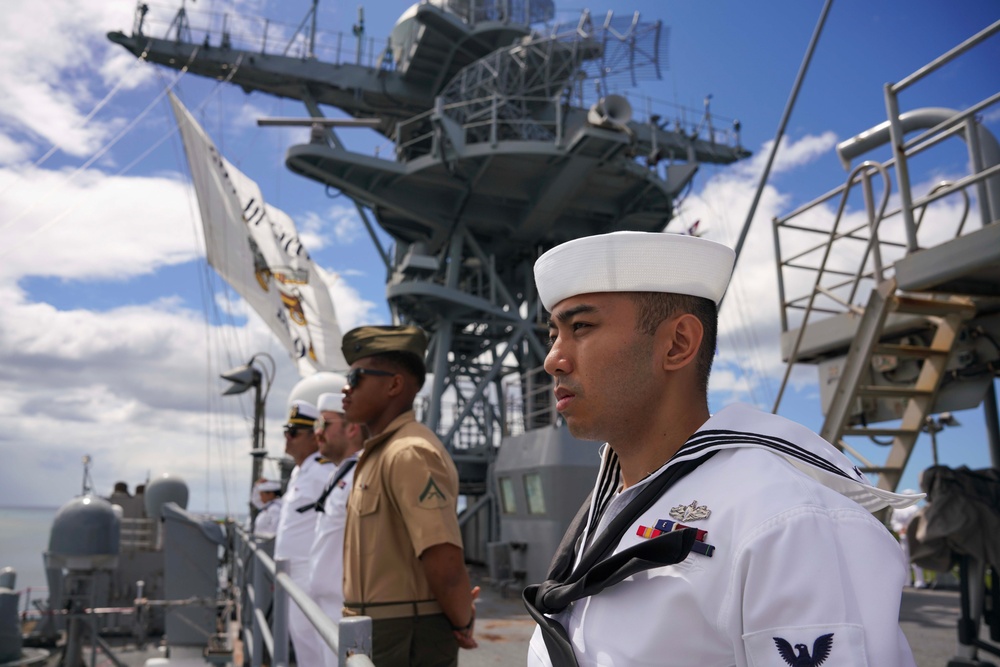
948, 419
243, 378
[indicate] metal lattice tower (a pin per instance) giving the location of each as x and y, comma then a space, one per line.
499, 155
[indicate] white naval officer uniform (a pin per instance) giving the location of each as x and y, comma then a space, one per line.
266, 523
796, 563
294, 539
326, 575
900, 520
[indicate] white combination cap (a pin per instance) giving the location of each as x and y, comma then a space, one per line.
267, 485
634, 262
330, 402
302, 413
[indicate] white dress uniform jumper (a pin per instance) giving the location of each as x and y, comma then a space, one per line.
787, 565
266, 523
326, 576
295, 537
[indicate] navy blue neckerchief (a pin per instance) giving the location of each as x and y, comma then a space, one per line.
318, 505
597, 570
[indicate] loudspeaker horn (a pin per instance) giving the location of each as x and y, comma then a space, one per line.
610, 111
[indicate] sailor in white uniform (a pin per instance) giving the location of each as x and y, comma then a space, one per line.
900, 521
267, 500
339, 442
736, 539
297, 528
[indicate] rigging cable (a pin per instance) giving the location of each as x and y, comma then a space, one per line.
785, 117
754, 372
100, 105
207, 298
99, 154
211, 398
751, 367
176, 129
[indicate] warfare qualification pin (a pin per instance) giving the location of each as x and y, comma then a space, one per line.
692, 512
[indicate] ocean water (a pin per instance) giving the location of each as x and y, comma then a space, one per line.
24, 535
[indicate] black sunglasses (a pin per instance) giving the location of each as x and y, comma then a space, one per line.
354, 376
292, 431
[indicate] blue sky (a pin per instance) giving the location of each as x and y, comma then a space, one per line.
104, 293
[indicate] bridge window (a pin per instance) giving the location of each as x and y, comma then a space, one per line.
533, 489
507, 503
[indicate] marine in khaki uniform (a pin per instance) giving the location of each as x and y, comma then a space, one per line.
403, 560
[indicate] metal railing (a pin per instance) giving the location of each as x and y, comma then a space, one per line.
256, 573
841, 261
498, 118
522, 12
261, 35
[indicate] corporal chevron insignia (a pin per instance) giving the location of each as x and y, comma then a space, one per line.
431, 492
820, 651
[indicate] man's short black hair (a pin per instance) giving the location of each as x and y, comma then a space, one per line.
652, 308
407, 363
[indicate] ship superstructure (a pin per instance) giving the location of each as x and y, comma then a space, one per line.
506, 140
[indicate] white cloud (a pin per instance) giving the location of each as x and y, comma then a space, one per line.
749, 367
791, 154
231, 303
12, 152
352, 310
132, 387
339, 222
45, 87
991, 116
94, 226
346, 226
310, 227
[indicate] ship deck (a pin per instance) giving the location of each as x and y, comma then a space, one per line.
928, 618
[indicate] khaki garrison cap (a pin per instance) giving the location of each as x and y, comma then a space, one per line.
371, 340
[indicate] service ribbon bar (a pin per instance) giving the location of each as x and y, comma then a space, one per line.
666, 526
699, 546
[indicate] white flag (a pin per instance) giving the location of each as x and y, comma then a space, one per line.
256, 249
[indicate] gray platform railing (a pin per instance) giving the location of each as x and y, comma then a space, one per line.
254, 571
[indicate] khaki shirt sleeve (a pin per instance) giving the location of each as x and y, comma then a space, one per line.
425, 491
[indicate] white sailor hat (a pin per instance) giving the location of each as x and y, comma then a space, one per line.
302, 413
330, 402
634, 262
267, 486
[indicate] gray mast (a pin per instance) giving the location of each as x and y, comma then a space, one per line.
507, 142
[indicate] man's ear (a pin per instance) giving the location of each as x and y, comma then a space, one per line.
679, 339
397, 384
